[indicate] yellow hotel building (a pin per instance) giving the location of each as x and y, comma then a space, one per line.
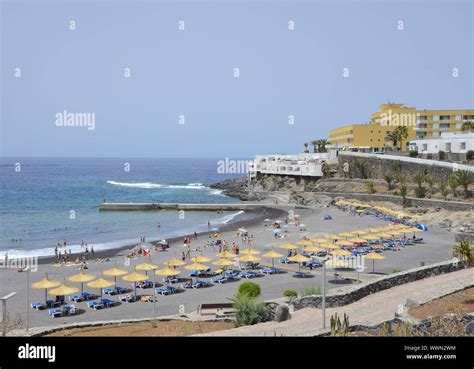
420, 123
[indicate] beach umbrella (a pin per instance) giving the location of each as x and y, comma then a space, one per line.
299, 259
334, 237
373, 256
114, 272
288, 246
329, 245
201, 259
371, 237
81, 278
358, 240
319, 239
343, 243
146, 267
223, 263
383, 235
304, 243
371, 230
345, 234
101, 283
135, 277
341, 252
196, 266
395, 233
45, 283
250, 251
167, 272
359, 232
174, 263
272, 255
226, 254
63, 290
313, 248
249, 259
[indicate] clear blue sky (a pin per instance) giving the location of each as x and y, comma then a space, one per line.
189, 72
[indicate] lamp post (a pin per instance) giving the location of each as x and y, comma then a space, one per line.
324, 294
27, 270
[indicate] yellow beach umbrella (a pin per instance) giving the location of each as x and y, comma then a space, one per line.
223, 262
341, 252
167, 272
383, 235
146, 267
174, 263
135, 277
299, 259
345, 234
319, 240
343, 243
413, 229
196, 266
81, 278
45, 283
100, 283
272, 255
288, 246
358, 240
226, 254
373, 256
304, 243
63, 290
313, 249
249, 259
372, 237
114, 272
334, 237
201, 259
329, 245
250, 251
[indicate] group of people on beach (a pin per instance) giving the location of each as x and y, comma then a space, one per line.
63, 256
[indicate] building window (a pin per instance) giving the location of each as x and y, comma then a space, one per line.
458, 117
448, 146
425, 147
435, 118
462, 146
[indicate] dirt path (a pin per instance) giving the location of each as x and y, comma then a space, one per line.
370, 310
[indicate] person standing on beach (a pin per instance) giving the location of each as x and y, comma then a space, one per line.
56, 252
92, 250
208, 225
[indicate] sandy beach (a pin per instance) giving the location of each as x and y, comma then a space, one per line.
437, 247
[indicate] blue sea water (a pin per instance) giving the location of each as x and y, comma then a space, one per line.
37, 202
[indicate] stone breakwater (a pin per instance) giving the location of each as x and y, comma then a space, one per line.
354, 293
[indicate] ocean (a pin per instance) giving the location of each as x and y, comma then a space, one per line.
43, 200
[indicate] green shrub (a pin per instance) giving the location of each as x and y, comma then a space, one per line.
309, 291
396, 271
371, 187
249, 289
429, 156
248, 310
470, 155
441, 155
413, 153
290, 293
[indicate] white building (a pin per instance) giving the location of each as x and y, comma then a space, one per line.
449, 142
309, 165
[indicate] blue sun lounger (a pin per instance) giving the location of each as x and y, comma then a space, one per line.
302, 275
107, 302
232, 275
95, 305
76, 298
166, 291
221, 279
55, 312
38, 305
172, 279
247, 275
270, 270
69, 310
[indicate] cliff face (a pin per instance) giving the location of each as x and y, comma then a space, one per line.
239, 188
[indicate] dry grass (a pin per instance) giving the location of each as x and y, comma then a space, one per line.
460, 303
147, 329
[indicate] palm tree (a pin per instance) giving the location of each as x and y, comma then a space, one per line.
360, 166
443, 188
468, 126
393, 138
464, 178
464, 251
402, 133
430, 181
419, 178
404, 192
306, 144
315, 145
453, 183
322, 144
389, 179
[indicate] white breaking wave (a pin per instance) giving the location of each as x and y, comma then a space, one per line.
149, 185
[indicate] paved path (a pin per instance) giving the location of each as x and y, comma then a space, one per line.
370, 310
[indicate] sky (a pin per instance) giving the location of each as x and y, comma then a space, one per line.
190, 72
